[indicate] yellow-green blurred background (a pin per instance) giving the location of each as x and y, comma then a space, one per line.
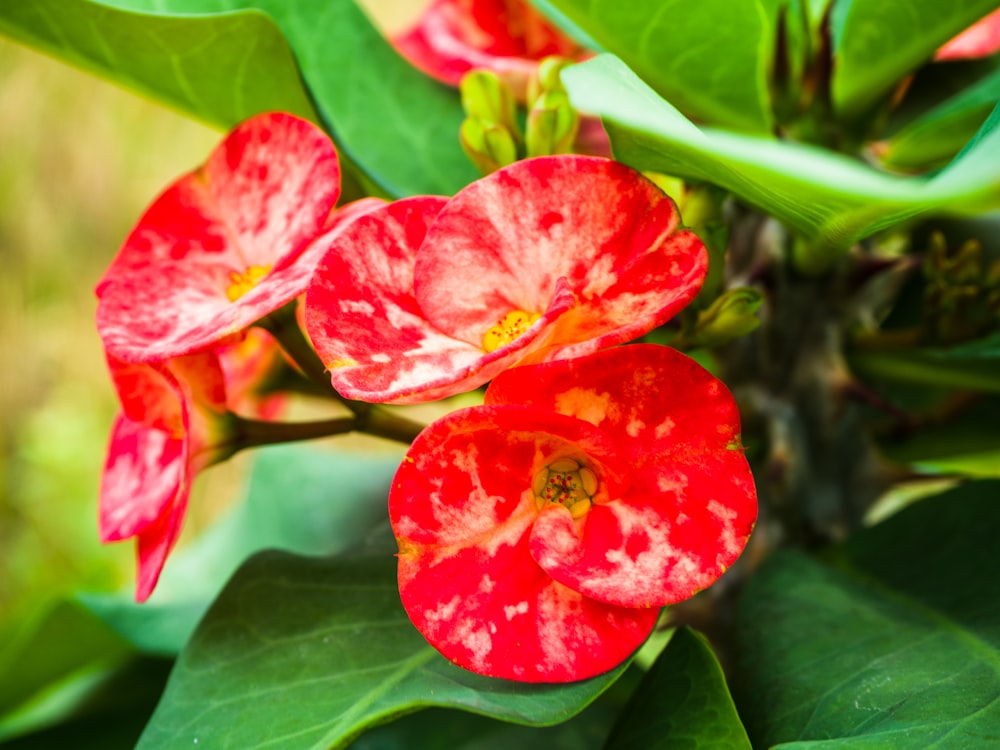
79, 161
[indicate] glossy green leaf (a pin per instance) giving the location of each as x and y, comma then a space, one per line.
300, 499
876, 44
306, 653
933, 139
833, 201
682, 702
675, 47
442, 729
894, 642
219, 69
396, 127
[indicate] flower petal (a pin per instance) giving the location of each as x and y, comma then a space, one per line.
259, 200
690, 502
461, 507
979, 40
142, 475
503, 243
506, 36
503, 616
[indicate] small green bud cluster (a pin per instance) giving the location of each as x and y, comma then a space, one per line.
491, 135
962, 298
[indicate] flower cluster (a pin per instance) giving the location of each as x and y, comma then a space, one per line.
540, 533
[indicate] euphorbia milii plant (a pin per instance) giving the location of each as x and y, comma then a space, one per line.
224, 245
548, 258
540, 534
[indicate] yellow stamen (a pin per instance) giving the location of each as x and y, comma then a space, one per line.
511, 326
568, 483
241, 283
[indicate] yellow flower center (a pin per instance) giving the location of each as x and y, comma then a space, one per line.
568, 483
512, 325
241, 283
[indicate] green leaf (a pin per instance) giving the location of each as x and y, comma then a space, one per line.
895, 642
306, 653
973, 365
219, 69
682, 702
934, 138
875, 43
968, 444
394, 126
442, 729
54, 664
110, 715
675, 46
300, 499
833, 201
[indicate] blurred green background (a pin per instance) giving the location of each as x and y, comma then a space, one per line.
79, 160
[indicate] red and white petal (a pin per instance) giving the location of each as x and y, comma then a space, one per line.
504, 242
653, 401
142, 475
155, 543
979, 40
470, 474
690, 503
369, 330
500, 615
148, 394
260, 199
652, 549
506, 36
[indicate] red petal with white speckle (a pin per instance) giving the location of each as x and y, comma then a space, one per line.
506, 36
263, 195
462, 506
400, 303
690, 504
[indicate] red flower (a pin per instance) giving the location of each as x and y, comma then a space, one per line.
548, 258
506, 36
540, 534
173, 424
979, 40
225, 245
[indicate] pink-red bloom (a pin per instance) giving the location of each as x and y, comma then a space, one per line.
548, 258
177, 418
173, 424
540, 534
979, 40
508, 37
224, 245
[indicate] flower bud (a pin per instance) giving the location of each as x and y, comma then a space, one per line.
487, 98
488, 145
552, 125
731, 315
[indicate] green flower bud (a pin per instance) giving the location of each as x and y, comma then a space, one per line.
731, 315
487, 98
489, 146
552, 125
